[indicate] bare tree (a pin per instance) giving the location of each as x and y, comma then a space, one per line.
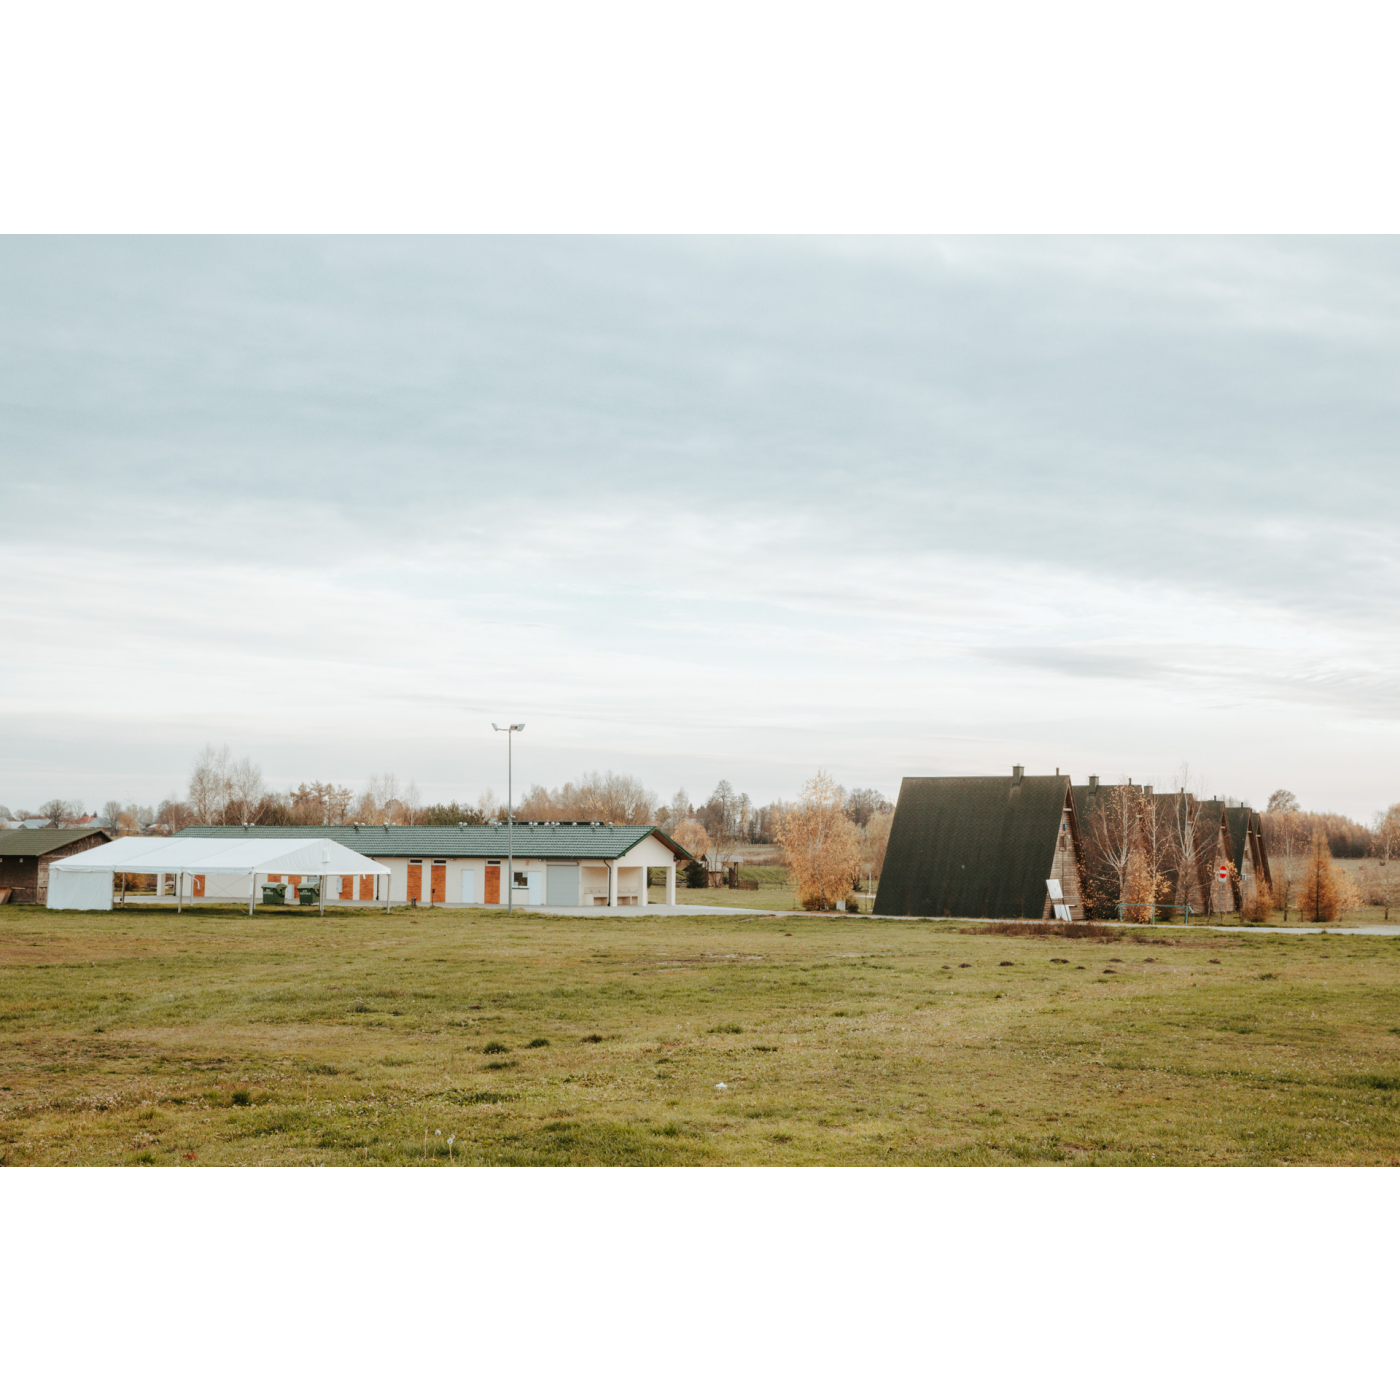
174, 815
595, 797
669, 817
874, 840
1193, 841
57, 811
1112, 837
1287, 832
726, 817
245, 791
1385, 846
374, 805
1151, 879
864, 803
209, 785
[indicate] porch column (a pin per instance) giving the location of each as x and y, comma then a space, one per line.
612, 884
642, 897
671, 883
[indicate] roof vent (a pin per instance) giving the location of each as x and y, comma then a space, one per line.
386, 826
1093, 782
1017, 773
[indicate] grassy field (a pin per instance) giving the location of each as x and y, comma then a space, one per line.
209, 1038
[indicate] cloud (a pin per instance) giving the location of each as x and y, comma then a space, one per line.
734, 504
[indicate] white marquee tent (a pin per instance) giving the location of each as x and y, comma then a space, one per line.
84, 881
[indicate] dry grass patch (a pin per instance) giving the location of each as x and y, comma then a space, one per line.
148, 1038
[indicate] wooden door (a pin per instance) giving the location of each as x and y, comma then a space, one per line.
199, 886
367, 887
415, 881
347, 887
493, 884
439, 884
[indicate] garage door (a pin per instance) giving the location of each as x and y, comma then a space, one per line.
563, 885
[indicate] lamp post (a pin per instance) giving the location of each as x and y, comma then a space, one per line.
509, 729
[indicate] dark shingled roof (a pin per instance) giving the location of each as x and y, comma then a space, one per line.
972, 847
1238, 821
39, 841
537, 841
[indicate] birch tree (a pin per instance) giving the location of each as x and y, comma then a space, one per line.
821, 844
1385, 846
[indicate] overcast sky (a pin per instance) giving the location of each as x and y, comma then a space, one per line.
700, 509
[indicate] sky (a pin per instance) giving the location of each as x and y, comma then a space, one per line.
695, 509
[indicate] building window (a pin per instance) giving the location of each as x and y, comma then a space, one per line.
522, 880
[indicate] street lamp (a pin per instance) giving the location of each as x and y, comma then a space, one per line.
509, 729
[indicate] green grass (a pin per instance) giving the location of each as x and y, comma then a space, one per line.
147, 1037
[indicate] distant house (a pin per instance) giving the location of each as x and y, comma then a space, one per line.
25, 856
555, 863
982, 848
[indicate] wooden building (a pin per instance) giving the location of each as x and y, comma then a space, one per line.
26, 854
1250, 856
982, 848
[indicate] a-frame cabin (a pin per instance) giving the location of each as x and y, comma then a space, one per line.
982, 848
1250, 859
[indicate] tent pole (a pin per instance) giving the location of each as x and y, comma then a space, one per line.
179, 890
252, 890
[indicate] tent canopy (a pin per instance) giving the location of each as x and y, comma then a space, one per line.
203, 855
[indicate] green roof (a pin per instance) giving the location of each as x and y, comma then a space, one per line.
532, 840
40, 841
972, 847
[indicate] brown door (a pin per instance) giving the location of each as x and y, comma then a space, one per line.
493, 884
199, 886
415, 882
347, 887
439, 884
366, 886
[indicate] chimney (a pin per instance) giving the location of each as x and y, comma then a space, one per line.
1147, 790
1093, 782
1017, 773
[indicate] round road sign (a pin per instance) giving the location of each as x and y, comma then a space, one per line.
1224, 872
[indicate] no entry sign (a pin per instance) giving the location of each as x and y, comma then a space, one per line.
1223, 873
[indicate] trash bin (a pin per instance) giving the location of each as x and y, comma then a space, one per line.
308, 894
274, 894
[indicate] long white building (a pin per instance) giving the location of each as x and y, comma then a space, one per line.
555, 863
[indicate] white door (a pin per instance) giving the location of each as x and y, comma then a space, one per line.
535, 879
469, 887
